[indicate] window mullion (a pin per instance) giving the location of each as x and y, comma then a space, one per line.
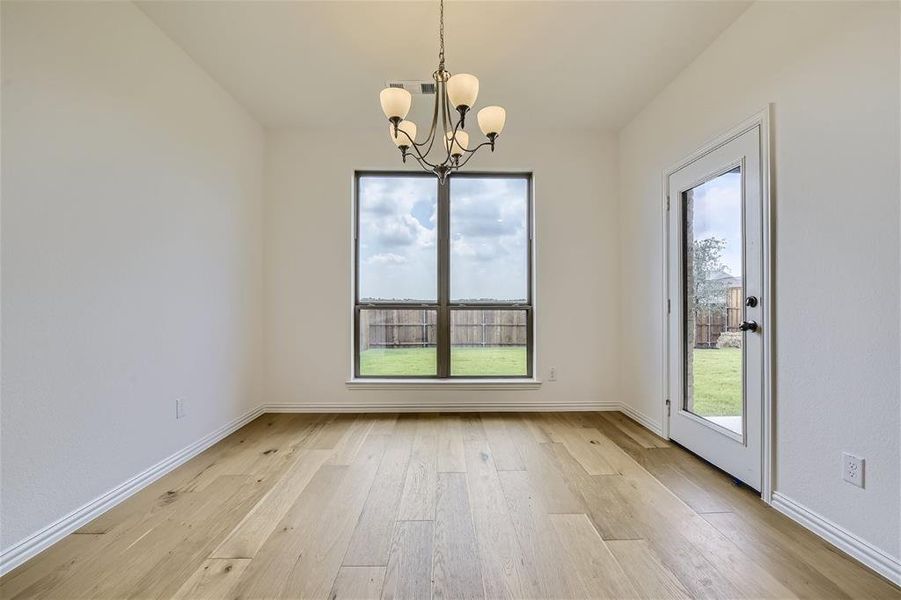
443, 334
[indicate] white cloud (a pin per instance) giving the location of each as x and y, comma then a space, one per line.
398, 218
717, 213
386, 259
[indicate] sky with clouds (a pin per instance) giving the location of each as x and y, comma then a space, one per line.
398, 234
717, 213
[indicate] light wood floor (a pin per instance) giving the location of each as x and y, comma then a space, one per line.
568, 505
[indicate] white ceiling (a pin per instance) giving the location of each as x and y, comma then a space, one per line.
551, 64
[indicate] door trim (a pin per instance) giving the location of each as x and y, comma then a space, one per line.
760, 120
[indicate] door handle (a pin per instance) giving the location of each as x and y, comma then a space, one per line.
748, 326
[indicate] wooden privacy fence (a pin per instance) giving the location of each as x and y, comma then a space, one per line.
416, 328
711, 323
488, 328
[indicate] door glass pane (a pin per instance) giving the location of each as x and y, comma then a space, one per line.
712, 222
489, 342
398, 255
397, 342
489, 247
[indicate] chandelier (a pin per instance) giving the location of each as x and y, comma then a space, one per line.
458, 91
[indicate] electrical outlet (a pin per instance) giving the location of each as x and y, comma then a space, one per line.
852, 469
179, 408
552, 376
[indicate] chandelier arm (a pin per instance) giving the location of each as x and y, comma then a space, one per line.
425, 166
471, 154
447, 111
473, 151
444, 120
431, 139
453, 139
418, 155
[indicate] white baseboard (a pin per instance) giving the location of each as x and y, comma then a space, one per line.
418, 405
642, 418
887, 566
15, 555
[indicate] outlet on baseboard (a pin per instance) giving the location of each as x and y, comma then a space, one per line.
179, 408
552, 375
853, 469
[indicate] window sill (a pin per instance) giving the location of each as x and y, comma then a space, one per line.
447, 384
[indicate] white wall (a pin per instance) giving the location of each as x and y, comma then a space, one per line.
131, 255
832, 73
309, 177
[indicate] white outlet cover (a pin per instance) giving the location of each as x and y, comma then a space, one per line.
853, 469
179, 408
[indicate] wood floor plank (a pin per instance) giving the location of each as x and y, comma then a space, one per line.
676, 533
164, 576
670, 475
590, 458
550, 505
596, 567
164, 493
215, 579
635, 431
250, 534
506, 571
611, 517
358, 583
417, 501
345, 451
372, 536
456, 573
451, 458
651, 579
612, 454
383, 423
316, 568
283, 442
537, 536
636, 451
36, 577
807, 572
472, 427
503, 451
409, 571
544, 471
330, 431
130, 554
531, 420
592, 461
272, 565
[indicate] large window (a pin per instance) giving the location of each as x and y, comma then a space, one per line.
443, 276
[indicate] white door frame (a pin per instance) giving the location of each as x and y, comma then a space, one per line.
759, 120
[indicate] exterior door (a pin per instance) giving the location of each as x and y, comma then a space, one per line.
715, 273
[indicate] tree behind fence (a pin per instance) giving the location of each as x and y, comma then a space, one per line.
710, 323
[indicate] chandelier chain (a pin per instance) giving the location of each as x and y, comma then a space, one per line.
441, 38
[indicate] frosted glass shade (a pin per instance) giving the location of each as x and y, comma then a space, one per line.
459, 143
400, 139
395, 102
462, 89
492, 119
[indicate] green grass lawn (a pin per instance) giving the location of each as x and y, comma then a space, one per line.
717, 373
489, 360
717, 382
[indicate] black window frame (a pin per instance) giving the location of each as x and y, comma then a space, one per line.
443, 305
